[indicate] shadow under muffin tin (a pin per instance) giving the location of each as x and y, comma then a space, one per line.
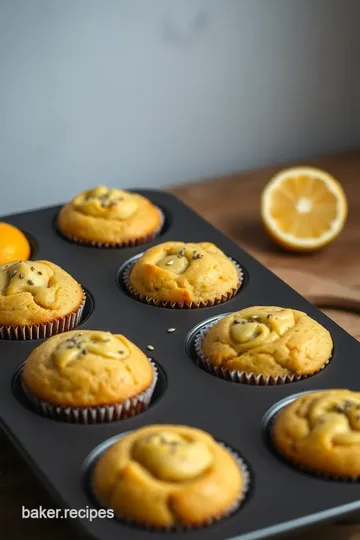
281, 498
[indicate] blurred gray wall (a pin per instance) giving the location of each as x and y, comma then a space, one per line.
156, 92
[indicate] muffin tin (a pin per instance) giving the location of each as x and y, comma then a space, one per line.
281, 498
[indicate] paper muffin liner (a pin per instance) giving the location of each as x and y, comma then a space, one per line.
95, 415
129, 243
192, 305
313, 472
240, 376
44, 330
246, 478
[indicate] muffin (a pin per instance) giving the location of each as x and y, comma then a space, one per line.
169, 475
178, 274
38, 299
88, 376
320, 432
107, 217
264, 345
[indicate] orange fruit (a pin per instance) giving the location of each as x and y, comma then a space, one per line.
14, 245
303, 209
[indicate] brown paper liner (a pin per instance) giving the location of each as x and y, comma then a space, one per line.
192, 305
95, 415
241, 376
189, 528
44, 330
113, 245
313, 472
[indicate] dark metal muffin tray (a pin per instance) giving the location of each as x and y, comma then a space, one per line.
281, 498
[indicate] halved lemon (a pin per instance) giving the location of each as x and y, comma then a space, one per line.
303, 208
14, 245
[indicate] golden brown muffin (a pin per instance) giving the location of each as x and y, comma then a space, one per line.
87, 369
37, 293
268, 341
184, 274
321, 432
103, 216
166, 475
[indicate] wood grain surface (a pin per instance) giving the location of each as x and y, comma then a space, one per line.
231, 204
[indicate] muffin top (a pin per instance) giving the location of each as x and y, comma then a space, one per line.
87, 368
109, 216
164, 475
35, 292
321, 431
184, 273
268, 340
